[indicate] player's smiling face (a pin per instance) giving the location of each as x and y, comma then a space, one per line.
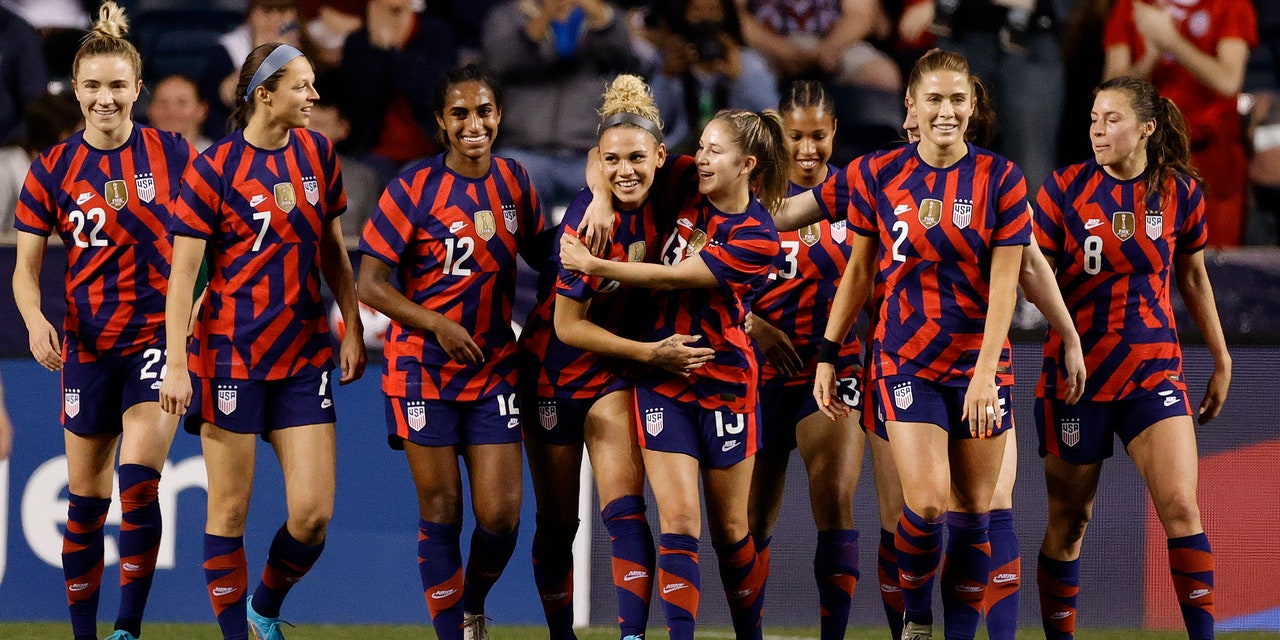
106, 86
470, 119
629, 157
290, 103
810, 132
1119, 139
721, 164
943, 102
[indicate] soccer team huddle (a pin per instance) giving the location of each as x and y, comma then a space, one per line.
694, 325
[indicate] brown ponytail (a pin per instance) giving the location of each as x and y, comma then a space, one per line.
761, 135
982, 124
245, 107
1169, 147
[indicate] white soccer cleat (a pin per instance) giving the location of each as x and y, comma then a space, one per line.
474, 626
914, 631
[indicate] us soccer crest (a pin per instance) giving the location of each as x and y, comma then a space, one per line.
811, 234
486, 226
636, 251
226, 400
117, 194
962, 213
286, 199
1155, 225
930, 212
839, 231
509, 218
146, 186
311, 190
71, 402
1070, 431
653, 421
416, 414
1123, 223
902, 397
547, 416
697, 240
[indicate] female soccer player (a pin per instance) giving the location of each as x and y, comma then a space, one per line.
1115, 227
950, 221
577, 378
705, 423
450, 227
788, 320
109, 192
263, 205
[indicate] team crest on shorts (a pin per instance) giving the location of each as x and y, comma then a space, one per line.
1155, 225
839, 231
547, 416
902, 397
962, 213
509, 218
486, 226
117, 194
146, 186
1122, 224
416, 414
1070, 428
636, 251
811, 234
311, 190
226, 399
286, 199
697, 240
653, 421
71, 402
930, 212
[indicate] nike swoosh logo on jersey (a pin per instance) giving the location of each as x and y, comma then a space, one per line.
1092, 223
83, 198
457, 226
685, 222
256, 200
901, 209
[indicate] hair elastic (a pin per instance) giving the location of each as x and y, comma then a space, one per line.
635, 119
281, 56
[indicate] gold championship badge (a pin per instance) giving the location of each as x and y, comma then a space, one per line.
635, 252
811, 234
286, 199
117, 194
697, 240
1123, 224
486, 226
930, 212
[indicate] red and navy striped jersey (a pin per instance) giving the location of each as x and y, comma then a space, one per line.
453, 241
937, 229
262, 213
740, 249
798, 300
1114, 256
112, 210
557, 370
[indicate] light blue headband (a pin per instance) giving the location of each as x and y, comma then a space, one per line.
275, 60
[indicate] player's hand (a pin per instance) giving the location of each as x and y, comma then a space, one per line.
596, 228
982, 407
351, 354
915, 22
575, 256
45, 347
1076, 373
675, 355
776, 346
1215, 394
457, 342
824, 391
175, 391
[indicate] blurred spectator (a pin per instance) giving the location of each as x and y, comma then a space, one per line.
22, 72
327, 24
550, 56
824, 40
699, 65
54, 14
176, 106
265, 21
391, 68
466, 19
50, 119
1013, 46
360, 180
1195, 52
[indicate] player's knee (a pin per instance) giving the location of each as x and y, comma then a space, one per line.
440, 506
689, 524
1180, 515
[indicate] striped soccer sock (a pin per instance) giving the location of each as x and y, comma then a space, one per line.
140, 529
440, 567
743, 579
489, 555
287, 561
226, 572
1059, 586
679, 583
835, 567
965, 573
634, 560
1005, 578
82, 551
553, 574
919, 546
890, 585
1191, 563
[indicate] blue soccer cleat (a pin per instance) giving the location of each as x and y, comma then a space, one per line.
121, 634
263, 628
